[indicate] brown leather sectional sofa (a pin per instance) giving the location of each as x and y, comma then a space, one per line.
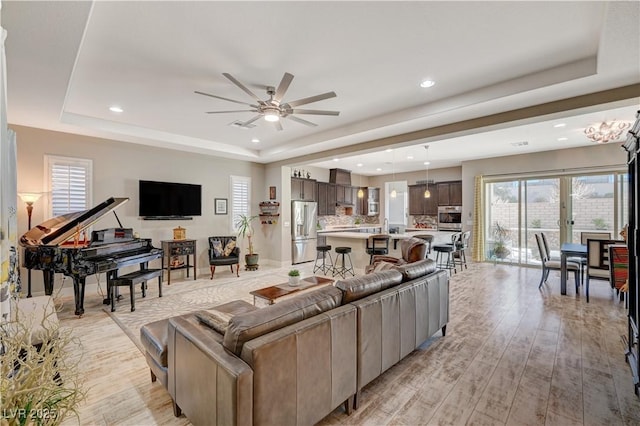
296, 361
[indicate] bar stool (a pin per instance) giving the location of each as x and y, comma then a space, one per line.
324, 266
377, 244
449, 249
340, 268
459, 255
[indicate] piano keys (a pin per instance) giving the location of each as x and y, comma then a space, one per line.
56, 246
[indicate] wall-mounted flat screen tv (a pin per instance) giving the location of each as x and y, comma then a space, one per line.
161, 200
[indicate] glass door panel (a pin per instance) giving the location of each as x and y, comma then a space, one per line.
592, 205
502, 222
541, 214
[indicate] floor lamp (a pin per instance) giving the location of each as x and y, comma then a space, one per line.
29, 198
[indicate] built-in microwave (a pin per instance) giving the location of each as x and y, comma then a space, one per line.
450, 218
373, 208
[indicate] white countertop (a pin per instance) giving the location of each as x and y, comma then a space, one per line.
348, 228
439, 235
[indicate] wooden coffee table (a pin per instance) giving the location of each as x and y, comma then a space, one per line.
270, 294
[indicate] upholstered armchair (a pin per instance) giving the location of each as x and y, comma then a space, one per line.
224, 251
412, 250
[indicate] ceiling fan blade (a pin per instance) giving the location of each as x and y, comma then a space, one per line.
312, 99
224, 112
225, 99
301, 121
242, 86
282, 87
252, 120
315, 112
278, 125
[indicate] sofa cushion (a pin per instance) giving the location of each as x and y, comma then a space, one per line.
219, 321
245, 327
216, 246
361, 286
228, 249
417, 269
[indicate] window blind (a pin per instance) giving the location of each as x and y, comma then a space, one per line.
69, 185
240, 198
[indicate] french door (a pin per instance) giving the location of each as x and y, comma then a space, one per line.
559, 206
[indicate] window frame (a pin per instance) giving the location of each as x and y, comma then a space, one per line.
51, 161
233, 180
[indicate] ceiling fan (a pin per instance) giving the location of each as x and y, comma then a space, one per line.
273, 109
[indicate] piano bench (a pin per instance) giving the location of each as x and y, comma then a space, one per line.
130, 280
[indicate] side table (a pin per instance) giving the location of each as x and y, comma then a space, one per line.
173, 248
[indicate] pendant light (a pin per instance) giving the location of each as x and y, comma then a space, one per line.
427, 193
360, 190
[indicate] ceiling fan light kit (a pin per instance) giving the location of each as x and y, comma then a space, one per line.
273, 109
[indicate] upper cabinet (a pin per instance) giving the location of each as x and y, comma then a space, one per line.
326, 199
450, 193
303, 189
418, 205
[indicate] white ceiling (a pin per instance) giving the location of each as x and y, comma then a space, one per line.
68, 62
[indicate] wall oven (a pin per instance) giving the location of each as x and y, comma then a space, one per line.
450, 218
373, 208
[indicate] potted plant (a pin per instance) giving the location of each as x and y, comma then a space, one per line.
245, 229
294, 277
500, 235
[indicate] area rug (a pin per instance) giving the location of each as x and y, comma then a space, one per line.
187, 295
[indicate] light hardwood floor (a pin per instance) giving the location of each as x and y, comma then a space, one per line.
512, 355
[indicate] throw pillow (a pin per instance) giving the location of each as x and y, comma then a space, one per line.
216, 245
212, 318
228, 249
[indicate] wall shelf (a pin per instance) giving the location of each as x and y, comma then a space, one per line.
269, 212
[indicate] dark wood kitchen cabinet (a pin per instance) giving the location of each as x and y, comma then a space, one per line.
344, 194
449, 193
303, 189
326, 199
418, 205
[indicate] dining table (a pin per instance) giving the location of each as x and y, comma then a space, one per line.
569, 250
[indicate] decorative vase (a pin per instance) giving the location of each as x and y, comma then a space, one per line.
294, 281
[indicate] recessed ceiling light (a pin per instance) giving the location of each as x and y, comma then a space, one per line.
426, 163
427, 83
115, 108
255, 140
378, 169
409, 157
336, 159
559, 125
359, 164
563, 139
388, 150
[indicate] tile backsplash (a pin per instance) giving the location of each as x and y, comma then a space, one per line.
340, 218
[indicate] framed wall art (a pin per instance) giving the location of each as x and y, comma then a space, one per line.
220, 206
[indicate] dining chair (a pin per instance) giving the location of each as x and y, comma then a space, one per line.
598, 265
619, 267
589, 235
579, 260
554, 264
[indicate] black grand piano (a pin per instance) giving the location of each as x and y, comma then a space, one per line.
57, 245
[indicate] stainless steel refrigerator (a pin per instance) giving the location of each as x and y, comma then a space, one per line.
303, 231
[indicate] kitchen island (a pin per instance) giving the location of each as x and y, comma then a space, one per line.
358, 243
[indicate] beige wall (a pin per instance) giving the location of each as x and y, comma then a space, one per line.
117, 167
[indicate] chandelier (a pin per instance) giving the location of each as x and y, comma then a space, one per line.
606, 131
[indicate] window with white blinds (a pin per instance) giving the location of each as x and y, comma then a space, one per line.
68, 184
240, 198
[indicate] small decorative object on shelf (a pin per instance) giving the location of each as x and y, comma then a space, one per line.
179, 233
308, 175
